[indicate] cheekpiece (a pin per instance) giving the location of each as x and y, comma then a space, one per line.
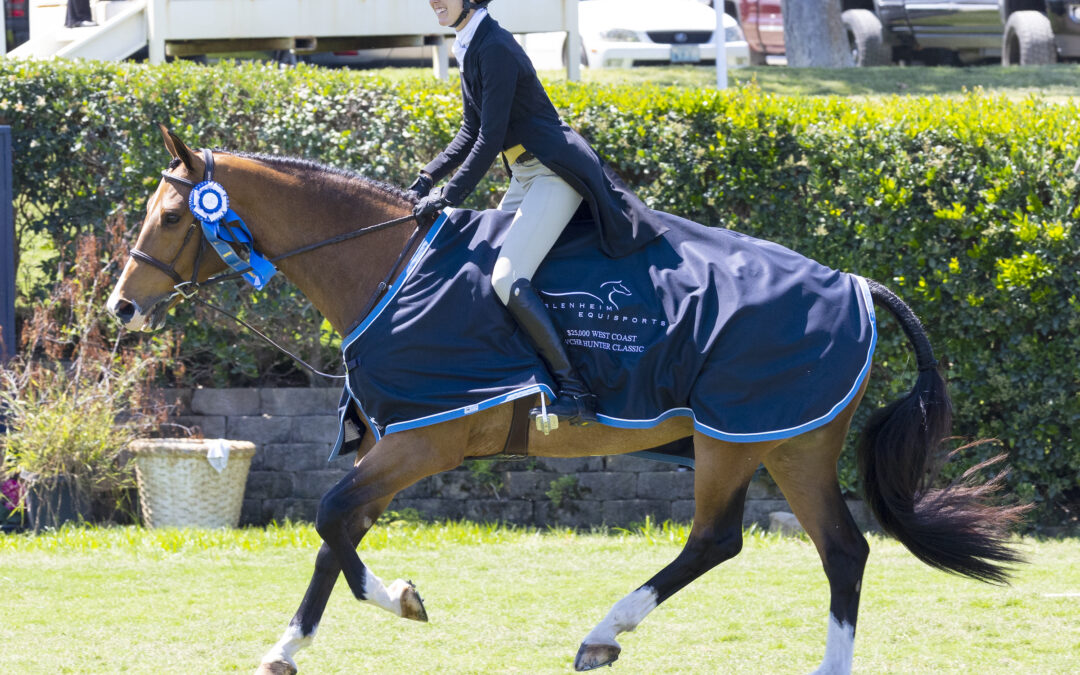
209, 201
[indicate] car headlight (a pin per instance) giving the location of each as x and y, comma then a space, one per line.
733, 34
1074, 12
620, 35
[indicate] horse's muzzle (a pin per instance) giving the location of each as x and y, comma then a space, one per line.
132, 317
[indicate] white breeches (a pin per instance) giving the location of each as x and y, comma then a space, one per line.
544, 204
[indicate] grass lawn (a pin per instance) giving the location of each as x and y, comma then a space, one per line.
510, 601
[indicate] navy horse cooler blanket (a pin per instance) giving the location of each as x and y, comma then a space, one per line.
750, 339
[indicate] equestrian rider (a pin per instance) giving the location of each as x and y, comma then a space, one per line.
552, 170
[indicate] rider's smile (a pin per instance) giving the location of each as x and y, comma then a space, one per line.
446, 10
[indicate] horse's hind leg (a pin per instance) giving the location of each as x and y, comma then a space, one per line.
722, 474
805, 470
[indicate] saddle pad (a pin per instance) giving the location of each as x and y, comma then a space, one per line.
750, 339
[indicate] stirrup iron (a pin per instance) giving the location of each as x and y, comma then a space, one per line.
545, 422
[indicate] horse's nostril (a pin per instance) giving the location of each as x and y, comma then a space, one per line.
124, 311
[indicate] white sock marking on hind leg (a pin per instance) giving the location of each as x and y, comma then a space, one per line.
291, 642
839, 649
381, 596
624, 616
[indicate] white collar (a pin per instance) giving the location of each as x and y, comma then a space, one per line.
465, 35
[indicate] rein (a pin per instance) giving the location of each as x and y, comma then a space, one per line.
244, 268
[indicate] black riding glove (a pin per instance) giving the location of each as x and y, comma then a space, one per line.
422, 186
430, 206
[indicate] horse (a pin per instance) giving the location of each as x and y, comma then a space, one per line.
295, 206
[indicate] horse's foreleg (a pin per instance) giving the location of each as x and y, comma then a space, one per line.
806, 473
395, 462
722, 475
345, 515
301, 629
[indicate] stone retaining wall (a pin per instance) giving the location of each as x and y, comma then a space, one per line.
294, 429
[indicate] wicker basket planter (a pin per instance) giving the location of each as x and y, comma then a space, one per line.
178, 487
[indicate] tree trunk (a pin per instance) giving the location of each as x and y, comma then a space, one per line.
814, 35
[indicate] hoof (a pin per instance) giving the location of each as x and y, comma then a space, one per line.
595, 656
276, 668
412, 605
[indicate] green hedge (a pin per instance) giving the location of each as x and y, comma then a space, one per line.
965, 206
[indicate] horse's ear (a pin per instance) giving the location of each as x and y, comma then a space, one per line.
176, 147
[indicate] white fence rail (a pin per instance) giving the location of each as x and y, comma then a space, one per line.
190, 27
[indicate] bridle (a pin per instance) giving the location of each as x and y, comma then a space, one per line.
189, 288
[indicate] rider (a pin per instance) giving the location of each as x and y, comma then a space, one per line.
552, 169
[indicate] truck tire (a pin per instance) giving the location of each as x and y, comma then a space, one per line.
1028, 41
866, 38
757, 58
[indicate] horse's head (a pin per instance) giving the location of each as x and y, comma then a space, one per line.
617, 288
169, 248
614, 288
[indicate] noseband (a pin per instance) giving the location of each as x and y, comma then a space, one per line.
243, 268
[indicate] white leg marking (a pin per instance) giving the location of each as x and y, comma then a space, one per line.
624, 617
839, 649
290, 643
381, 596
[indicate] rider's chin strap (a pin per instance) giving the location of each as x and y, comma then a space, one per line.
468, 7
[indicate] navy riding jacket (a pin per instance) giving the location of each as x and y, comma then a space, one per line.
505, 105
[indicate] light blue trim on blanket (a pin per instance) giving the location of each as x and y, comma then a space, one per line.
470, 409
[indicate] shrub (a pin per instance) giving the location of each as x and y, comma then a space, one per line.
965, 206
562, 490
75, 398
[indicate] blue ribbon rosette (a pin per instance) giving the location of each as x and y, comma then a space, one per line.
222, 227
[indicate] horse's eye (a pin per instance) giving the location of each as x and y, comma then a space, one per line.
172, 218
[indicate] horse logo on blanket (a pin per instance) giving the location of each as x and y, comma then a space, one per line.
613, 289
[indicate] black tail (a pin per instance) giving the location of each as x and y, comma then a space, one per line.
957, 528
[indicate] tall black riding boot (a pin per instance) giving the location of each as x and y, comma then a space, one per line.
573, 403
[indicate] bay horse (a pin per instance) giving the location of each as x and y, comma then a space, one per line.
291, 203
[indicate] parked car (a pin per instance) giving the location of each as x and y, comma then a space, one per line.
763, 27
622, 34
614, 33
934, 31
16, 22
627, 33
